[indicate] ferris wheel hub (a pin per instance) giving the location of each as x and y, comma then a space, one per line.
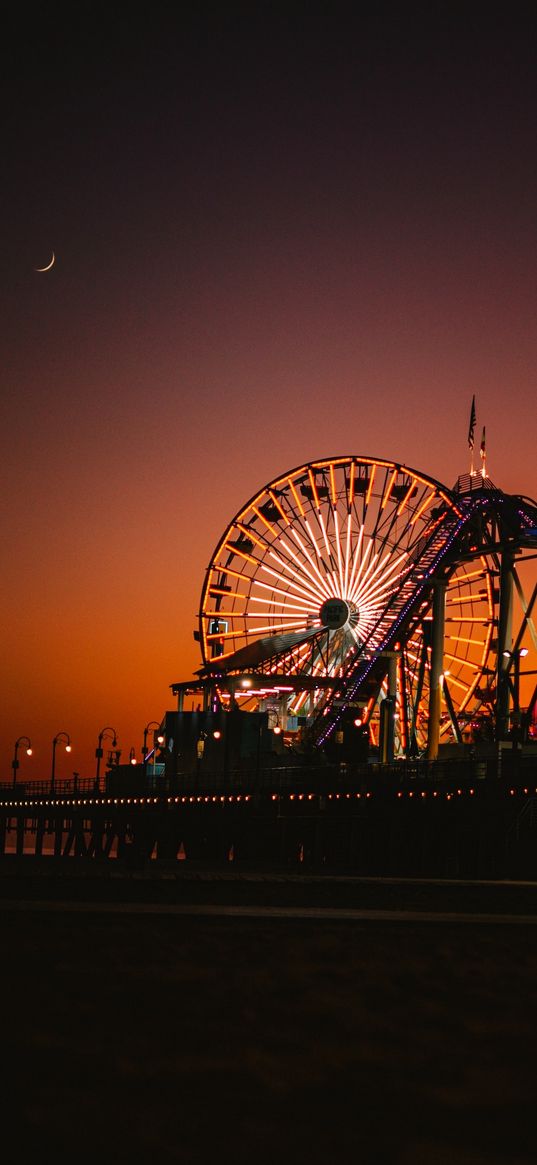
336, 613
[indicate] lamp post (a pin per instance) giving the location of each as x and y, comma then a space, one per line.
158, 741
515, 657
132, 756
15, 763
104, 734
152, 724
63, 736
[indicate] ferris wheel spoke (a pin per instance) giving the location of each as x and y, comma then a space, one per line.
465, 576
349, 482
249, 534
256, 582
317, 578
313, 541
339, 554
421, 509
302, 576
388, 566
268, 525
348, 552
281, 615
244, 632
322, 578
458, 683
305, 582
228, 594
320, 520
356, 558
376, 591
390, 482
298, 502
369, 490
307, 608
236, 552
363, 570
391, 532
412, 490
294, 587
459, 660
313, 487
365, 583
457, 600
223, 572
274, 498
360, 562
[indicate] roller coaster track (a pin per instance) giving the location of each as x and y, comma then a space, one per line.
436, 555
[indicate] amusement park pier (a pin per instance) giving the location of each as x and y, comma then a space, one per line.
363, 700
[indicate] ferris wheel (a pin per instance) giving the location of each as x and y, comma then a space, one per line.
302, 580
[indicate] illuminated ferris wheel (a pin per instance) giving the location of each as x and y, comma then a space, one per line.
302, 582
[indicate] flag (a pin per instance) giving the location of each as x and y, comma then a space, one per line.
471, 429
483, 449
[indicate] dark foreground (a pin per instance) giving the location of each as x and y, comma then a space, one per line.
161, 1037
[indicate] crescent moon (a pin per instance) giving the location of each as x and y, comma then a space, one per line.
49, 265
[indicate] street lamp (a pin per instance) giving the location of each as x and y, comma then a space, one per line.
104, 734
14, 763
516, 655
63, 736
273, 722
152, 724
158, 741
132, 756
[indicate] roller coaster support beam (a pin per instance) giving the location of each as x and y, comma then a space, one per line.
387, 711
505, 644
437, 669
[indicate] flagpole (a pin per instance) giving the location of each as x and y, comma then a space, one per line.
471, 430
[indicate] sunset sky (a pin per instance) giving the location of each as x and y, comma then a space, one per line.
278, 238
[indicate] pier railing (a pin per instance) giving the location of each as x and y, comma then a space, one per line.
515, 768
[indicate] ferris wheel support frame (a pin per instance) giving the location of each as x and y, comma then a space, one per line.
507, 703
387, 727
505, 544
505, 643
437, 668
509, 654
